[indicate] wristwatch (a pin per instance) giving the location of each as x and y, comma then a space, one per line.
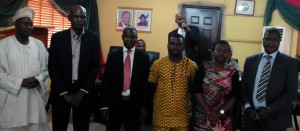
222, 112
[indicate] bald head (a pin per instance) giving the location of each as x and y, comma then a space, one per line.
180, 19
180, 14
75, 8
77, 17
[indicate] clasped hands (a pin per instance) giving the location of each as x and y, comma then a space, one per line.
105, 114
30, 82
213, 117
258, 115
74, 99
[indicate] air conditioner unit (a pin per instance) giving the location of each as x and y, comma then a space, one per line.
286, 37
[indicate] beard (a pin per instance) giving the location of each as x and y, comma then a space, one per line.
175, 54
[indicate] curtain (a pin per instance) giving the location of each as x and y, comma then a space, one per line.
92, 14
289, 12
7, 10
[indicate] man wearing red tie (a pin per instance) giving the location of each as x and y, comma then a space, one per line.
125, 79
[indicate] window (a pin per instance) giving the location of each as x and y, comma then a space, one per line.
47, 16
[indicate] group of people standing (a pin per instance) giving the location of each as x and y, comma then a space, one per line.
25, 66
189, 94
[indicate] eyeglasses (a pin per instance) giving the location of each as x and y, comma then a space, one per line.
271, 39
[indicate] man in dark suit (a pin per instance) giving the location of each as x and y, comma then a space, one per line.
191, 37
269, 84
125, 79
73, 67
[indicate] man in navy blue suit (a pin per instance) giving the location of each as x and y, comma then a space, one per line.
269, 84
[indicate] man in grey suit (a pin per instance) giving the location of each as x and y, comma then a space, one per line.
269, 83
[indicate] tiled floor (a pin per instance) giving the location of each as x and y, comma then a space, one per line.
94, 126
100, 127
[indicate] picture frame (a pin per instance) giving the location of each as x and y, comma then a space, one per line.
124, 17
143, 18
244, 7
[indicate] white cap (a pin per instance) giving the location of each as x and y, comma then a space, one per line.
24, 12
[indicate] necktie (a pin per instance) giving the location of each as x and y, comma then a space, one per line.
127, 71
264, 80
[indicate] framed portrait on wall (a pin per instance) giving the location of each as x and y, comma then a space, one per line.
244, 7
124, 17
143, 19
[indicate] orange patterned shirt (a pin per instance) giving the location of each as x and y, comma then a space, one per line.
172, 105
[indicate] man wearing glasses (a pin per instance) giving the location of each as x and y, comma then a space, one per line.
269, 84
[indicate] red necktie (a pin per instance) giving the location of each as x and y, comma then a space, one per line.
127, 71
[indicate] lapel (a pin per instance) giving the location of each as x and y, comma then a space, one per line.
135, 64
68, 47
275, 65
256, 62
83, 49
274, 72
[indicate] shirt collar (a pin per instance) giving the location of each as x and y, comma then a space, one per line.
272, 54
75, 36
181, 30
125, 49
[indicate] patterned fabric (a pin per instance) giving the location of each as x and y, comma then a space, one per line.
217, 87
264, 80
157, 128
172, 106
127, 71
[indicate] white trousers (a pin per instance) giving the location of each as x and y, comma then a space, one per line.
30, 127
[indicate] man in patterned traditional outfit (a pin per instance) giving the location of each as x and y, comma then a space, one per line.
172, 75
23, 78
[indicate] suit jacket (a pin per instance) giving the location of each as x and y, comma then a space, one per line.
191, 41
114, 76
282, 87
60, 61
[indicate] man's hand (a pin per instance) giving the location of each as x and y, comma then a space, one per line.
77, 98
214, 117
185, 27
252, 114
104, 115
68, 98
143, 115
30, 82
264, 113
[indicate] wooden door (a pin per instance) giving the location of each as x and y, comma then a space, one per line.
209, 20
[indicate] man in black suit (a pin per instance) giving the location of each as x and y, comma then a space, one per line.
73, 67
125, 93
269, 84
191, 37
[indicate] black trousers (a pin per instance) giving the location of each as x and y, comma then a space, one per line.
61, 112
124, 115
250, 125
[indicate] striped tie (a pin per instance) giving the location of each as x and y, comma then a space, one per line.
127, 71
264, 80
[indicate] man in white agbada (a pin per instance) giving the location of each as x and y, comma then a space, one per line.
23, 78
